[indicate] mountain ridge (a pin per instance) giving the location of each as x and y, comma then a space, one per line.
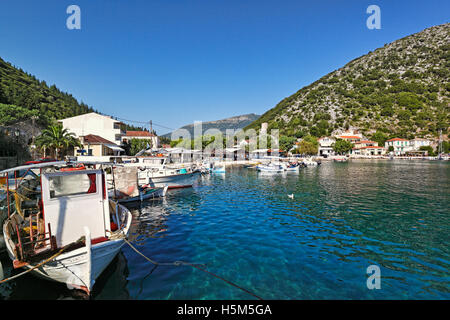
235, 122
400, 89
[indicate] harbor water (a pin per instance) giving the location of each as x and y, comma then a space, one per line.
318, 244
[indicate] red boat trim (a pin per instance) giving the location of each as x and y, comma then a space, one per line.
179, 187
99, 240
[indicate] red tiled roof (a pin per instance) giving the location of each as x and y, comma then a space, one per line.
349, 137
139, 134
396, 139
92, 138
369, 147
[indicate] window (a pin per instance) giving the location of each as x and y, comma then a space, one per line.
61, 186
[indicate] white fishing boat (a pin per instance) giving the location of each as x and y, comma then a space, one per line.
288, 167
170, 177
218, 169
125, 187
308, 162
340, 159
145, 193
270, 168
68, 232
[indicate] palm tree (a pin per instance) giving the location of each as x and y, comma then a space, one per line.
57, 138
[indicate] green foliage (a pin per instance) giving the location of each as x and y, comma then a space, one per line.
429, 150
286, 143
137, 145
307, 148
10, 114
29, 96
379, 137
57, 139
342, 146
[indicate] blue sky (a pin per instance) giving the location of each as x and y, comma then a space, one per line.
175, 62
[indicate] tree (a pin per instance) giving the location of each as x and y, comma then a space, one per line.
57, 138
342, 146
428, 149
306, 147
137, 145
379, 137
286, 143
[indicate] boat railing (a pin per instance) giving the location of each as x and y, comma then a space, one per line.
29, 237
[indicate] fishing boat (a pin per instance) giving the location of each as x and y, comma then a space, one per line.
124, 186
166, 176
308, 162
270, 168
69, 231
292, 167
340, 159
218, 169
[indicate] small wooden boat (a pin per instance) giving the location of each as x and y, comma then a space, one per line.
145, 193
310, 163
270, 168
80, 233
219, 169
340, 159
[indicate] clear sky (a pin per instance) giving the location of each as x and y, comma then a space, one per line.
176, 61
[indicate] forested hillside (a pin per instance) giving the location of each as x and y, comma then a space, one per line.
22, 95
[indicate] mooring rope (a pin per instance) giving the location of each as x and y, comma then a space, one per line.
35, 267
179, 263
43, 262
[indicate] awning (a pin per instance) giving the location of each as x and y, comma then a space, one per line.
114, 147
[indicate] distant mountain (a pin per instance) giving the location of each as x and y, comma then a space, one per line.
234, 123
401, 89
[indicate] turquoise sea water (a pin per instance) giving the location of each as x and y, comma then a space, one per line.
344, 217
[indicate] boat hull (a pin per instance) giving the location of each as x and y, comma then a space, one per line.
79, 268
159, 193
72, 268
178, 180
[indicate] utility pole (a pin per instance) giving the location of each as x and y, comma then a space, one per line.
33, 145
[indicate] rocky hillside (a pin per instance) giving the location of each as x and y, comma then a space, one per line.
234, 123
401, 89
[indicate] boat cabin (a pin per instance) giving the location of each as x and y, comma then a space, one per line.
54, 210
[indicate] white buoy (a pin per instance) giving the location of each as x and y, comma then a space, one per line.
291, 196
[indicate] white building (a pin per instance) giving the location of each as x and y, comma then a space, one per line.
143, 135
326, 146
419, 142
95, 124
401, 146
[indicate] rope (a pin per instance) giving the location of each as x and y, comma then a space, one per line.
35, 267
178, 263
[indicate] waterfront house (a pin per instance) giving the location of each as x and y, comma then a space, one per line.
96, 146
95, 124
366, 143
351, 135
143, 135
401, 146
368, 148
326, 146
419, 142
369, 151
